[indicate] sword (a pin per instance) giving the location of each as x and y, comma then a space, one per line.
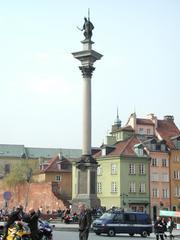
79, 28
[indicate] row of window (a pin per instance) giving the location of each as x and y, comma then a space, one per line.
156, 177
159, 162
133, 188
145, 131
156, 193
140, 169
177, 158
141, 188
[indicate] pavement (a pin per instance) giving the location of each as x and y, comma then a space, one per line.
73, 227
59, 226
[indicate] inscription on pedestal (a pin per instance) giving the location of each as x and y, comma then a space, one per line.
82, 182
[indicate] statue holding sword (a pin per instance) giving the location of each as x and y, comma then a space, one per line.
87, 28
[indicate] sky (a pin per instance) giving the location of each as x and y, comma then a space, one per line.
41, 84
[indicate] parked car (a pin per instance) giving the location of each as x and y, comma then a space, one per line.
123, 222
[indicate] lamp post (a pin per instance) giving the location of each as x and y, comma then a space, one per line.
123, 196
28, 179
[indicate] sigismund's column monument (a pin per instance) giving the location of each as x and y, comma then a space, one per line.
86, 187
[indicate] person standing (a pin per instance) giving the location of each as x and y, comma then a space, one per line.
170, 226
159, 229
32, 221
84, 221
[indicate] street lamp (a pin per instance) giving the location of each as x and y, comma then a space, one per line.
28, 179
123, 196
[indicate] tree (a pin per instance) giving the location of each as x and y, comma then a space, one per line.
19, 173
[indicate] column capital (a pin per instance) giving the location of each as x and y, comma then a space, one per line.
87, 71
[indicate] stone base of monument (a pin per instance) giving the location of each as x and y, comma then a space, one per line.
89, 202
86, 191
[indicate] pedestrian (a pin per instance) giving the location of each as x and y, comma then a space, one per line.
170, 226
15, 215
32, 221
164, 223
159, 228
84, 221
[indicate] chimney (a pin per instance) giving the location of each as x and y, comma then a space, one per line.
169, 118
153, 118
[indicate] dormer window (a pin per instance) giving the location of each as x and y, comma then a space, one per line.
178, 144
153, 146
163, 147
104, 152
99, 170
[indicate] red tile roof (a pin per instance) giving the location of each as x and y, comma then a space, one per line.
125, 147
167, 130
53, 165
143, 121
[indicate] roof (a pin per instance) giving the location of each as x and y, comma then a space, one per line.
20, 151
167, 129
123, 129
143, 121
53, 165
7, 150
125, 148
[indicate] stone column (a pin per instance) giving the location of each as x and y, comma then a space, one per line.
86, 167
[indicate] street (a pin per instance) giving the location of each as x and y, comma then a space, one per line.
68, 235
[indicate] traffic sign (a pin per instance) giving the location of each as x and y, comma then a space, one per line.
7, 196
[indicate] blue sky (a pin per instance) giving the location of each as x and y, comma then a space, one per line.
41, 85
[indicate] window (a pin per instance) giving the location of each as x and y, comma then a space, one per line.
178, 144
176, 158
132, 187
118, 218
134, 208
7, 168
176, 174
99, 170
155, 192
148, 131
164, 162
113, 169
132, 168
140, 151
99, 187
141, 209
142, 188
177, 191
154, 162
142, 168
141, 130
165, 193
163, 147
129, 218
154, 177
103, 152
165, 177
58, 178
113, 187
153, 146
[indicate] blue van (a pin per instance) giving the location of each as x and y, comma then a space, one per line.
123, 222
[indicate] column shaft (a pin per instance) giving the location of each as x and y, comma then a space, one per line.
86, 148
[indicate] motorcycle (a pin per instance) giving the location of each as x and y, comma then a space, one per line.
45, 230
19, 231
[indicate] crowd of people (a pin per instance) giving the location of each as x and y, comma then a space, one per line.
163, 228
18, 215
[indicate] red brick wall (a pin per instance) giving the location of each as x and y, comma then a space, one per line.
40, 194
